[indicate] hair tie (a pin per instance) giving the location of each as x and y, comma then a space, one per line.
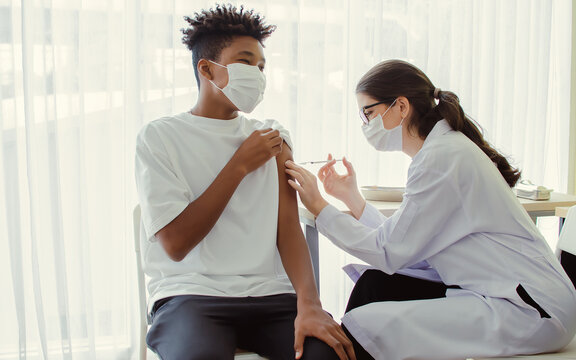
437, 93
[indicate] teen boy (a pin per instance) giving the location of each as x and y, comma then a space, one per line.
221, 228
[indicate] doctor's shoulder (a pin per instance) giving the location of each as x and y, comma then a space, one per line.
446, 152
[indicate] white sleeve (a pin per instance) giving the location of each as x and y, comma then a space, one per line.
371, 217
162, 195
284, 134
423, 225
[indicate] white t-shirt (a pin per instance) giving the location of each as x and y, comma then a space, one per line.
177, 158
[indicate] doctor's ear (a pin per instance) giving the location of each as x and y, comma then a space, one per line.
403, 106
204, 69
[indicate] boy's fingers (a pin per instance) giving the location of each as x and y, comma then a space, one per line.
348, 347
298, 345
276, 141
264, 131
337, 346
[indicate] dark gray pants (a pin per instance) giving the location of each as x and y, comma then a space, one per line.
211, 328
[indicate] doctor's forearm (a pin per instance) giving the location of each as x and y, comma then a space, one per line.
356, 203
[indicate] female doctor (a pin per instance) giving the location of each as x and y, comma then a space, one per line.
459, 270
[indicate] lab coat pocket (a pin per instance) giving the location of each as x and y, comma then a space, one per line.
528, 300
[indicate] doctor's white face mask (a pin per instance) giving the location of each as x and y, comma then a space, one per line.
379, 137
246, 85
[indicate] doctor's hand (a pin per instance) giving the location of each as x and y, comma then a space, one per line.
314, 322
305, 183
342, 187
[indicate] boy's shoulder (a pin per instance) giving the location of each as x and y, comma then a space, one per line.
271, 124
152, 128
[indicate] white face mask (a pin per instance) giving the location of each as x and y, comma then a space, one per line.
379, 137
246, 84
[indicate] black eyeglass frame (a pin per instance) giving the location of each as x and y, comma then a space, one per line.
363, 115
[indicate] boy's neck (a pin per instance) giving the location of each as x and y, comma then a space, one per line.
211, 110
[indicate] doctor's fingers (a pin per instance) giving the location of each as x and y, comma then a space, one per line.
293, 166
297, 175
295, 186
348, 166
324, 169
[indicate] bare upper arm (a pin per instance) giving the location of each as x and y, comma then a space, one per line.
288, 201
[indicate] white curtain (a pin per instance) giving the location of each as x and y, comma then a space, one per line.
78, 78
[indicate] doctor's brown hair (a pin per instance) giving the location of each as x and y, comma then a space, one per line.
393, 78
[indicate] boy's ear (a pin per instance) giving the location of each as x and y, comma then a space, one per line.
204, 69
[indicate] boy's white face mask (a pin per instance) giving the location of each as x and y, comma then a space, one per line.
246, 85
379, 137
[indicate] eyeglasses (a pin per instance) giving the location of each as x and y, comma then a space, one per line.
363, 109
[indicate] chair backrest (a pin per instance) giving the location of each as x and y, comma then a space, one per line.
142, 309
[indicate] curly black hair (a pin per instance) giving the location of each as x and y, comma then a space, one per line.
212, 30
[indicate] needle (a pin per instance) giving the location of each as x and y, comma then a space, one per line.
318, 162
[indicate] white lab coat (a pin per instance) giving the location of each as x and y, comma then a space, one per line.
567, 240
461, 224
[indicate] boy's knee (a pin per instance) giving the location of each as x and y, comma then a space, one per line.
186, 352
318, 349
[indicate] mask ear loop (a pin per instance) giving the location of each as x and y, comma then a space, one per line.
215, 63
403, 117
212, 82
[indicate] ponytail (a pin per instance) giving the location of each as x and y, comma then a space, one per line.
393, 78
449, 108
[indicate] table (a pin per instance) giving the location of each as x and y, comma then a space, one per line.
535, 209
561, 212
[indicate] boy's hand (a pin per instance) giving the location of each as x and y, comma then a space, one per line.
315, 322
257, 149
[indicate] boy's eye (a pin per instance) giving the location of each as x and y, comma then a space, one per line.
244, 61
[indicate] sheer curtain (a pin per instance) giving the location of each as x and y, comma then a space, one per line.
78, 78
